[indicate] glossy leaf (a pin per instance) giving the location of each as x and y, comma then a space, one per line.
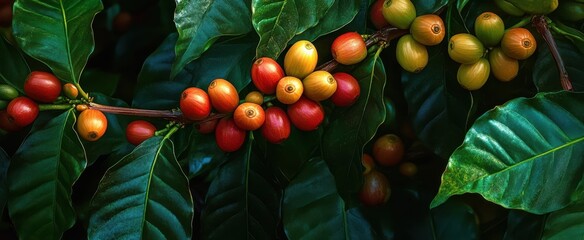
574, 35
96, 81
240, 202
351, 128
427, 7
545, 73
565, 223
338, 15
313, 209
62, 36
14, 68
40, 204
200, 23
276, 22
157, 66
202, 154
4, 163
144, 196
437, 102
513, 153
453, 220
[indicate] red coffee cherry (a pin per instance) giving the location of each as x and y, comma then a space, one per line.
265, 74
276, 128
348, 90
42, 86
228, 136
223, 95
7, 123
195, 104
138, 131
349, 48
375, 190
388, 150
207, 126
306, 114
22, 111
249, 116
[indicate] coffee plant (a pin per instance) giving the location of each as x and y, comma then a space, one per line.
291, 119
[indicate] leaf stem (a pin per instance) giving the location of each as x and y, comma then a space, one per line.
541, 24
84, 95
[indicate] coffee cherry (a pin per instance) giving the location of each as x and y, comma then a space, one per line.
375, 190
8, 92
81, 107
289, 90
503, 67
249, 116
301, 59
42, 86
376, 14
349, 48
255, 97
70, 91
428, 29
518, 43
489, 28
276, 128
223, 95
465, 48
306, 114
408, 169
265, 74
411, 55
319, 85
138, 131
228, 136
536, 7
388, 150
91, 124
22, 111
348, 90
368, 163
399, 13
207, 126
7, 122
195, 104
473, 76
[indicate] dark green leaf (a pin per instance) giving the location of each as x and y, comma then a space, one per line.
512, 155
276, 22
524, 225
4, 163
40, 178
241, 203
312, 208
202, 155
454, 219
100, 81
427, 7
14, 68
157, 66
574, 35
436, 103
338, 15
62, 37
566, 223
545, 73
351, 128
144, 196
200, 23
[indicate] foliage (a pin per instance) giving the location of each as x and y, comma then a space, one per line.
506, 158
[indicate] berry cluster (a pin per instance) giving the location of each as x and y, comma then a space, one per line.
298, 87
504, 49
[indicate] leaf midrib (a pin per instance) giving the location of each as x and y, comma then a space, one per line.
149, 183
67, 42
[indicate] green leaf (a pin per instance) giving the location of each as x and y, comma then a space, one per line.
201, 22
436, 103
565, 223
574, 35
41, 175
158, 64
545, 73
144, 196
512, 155
351, 128
524, 225
14, 68
62, 37
427, 7
313, 209
100, 81
241, 202
202, 154
4, 164
452, 220
338, 15
276, 22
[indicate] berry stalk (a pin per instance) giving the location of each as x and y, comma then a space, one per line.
541, 24
172, 115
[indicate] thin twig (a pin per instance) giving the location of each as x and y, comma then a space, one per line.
540, 23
